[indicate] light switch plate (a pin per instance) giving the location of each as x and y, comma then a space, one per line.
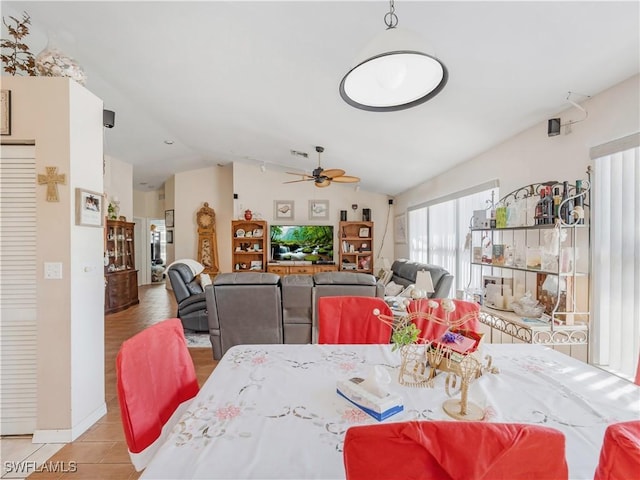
52, 270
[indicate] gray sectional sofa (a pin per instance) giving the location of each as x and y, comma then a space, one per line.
404, 273
262, 308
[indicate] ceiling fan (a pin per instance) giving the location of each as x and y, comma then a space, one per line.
323, 178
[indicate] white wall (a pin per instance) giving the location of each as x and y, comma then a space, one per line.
532, 156
65, 120
86, 267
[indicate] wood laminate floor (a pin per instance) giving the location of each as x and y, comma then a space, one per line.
101, 452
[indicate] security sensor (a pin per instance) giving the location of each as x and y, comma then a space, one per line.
553, 127
108, 118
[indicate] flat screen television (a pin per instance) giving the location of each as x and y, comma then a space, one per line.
312, 243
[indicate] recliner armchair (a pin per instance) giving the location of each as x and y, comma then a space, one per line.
192, 306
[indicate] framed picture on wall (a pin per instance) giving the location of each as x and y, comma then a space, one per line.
318, 209
5, 113
400, 229
168, 219
283, 209
170, 236
89, 208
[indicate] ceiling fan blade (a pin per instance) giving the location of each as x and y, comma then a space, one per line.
300, 174
346, 179
332, 173
301, 180
322, 183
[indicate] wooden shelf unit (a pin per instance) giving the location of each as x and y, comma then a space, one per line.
283, 270
121, 277
356, 247
249, 252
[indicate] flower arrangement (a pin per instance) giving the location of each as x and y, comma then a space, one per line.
17, 58
51, 62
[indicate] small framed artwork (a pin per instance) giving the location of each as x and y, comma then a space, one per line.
318, 209
168, 219
400, 229
5, 112
283, 209
170, 235
364, 232
89, 207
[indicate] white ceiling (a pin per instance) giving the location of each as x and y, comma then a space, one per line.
249, 81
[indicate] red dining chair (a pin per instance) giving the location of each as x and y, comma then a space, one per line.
352, 320
620, 452
156, 380
430, 330
454, 450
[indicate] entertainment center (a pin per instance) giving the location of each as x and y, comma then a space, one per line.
301, 249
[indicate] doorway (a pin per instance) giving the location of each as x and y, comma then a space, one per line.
157, 250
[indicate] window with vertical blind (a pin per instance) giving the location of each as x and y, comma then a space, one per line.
438, 230
616, 255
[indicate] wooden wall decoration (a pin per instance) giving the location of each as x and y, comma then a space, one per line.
51, 179
207, 240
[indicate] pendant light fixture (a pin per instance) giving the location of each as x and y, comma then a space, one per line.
392, 73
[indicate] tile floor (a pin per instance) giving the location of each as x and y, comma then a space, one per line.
101, 452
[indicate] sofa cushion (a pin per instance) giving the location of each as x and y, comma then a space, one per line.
343, 278
405, 272
246, 279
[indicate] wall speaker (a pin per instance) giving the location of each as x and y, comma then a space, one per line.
343, 215
366, 214
553, 127
108, 118
235, 196
391, 201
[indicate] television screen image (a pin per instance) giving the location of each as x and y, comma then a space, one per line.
313, 243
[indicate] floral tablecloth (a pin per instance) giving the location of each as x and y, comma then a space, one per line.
272, 411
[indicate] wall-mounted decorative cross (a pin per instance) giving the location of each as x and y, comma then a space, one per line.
51, 179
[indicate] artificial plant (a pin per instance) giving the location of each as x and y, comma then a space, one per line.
15, 56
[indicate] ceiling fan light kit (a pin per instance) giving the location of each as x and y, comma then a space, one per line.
323, 178
392, 72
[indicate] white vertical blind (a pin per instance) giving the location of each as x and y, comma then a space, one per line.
18, 334
438, 231
616, 260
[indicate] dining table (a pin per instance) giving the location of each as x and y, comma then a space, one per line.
273, 412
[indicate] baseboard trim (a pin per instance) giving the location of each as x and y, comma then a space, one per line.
70, 434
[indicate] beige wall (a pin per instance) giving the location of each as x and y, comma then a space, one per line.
190, 190
118, 183
148, 204
532, 156
65, 120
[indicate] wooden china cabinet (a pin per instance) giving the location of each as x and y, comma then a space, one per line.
121, 277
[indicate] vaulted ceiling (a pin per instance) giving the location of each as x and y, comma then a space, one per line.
251, 81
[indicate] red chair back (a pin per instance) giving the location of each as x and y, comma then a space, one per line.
155, 375
351, 320
620, 452
431, 330
454, 450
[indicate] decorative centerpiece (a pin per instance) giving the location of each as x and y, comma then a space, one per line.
456, 352
51, 62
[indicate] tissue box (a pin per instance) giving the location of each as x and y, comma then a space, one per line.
379, 407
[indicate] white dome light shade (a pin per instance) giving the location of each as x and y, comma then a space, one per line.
391, 77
